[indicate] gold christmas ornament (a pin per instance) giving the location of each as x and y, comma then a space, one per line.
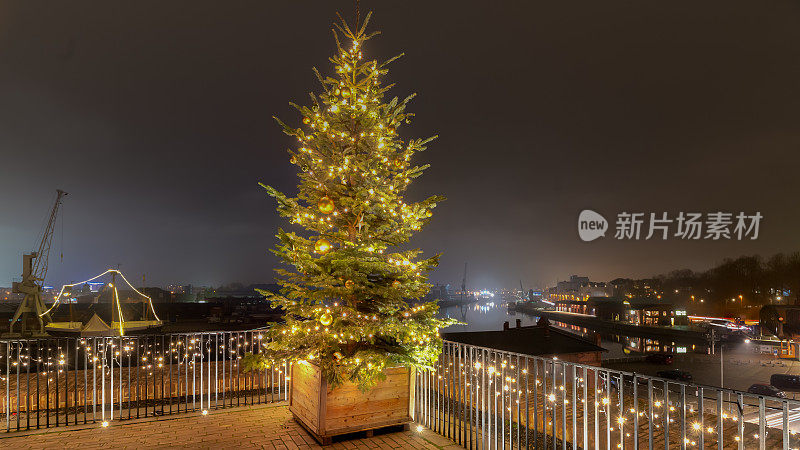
322, 245
326, 319
326, 205
345, 93
348, 284
306, 120
396, 284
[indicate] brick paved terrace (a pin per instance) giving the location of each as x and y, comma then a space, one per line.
263, 426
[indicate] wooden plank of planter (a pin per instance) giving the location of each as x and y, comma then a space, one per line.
326, 412
302, 401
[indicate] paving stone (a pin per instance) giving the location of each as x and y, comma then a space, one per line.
258, 427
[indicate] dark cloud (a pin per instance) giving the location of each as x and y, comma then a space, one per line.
156, 117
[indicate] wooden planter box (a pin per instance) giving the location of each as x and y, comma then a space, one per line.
326, 412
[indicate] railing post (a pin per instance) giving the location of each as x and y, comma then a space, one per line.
561, 368
200, 347
527, 373
493, 405
94, 380
58, 404
700, 407
574, 407
608, 409
545, 402
536, 402
740, 420
502, 388
518, 384
683, 417
585, 381
84, 342
468, 407
119, 393
666, 415
449, 392
621, 418
635, 433
8, 386
762, 425
596, 410
650, 414
103, 383
720, 424
785, 423
430, 405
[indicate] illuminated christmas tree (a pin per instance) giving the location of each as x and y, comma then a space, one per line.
352, 300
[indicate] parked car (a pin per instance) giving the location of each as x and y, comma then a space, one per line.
675, 374
785, 382
659, 358
765, 389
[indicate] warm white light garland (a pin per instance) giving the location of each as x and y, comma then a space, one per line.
116, 271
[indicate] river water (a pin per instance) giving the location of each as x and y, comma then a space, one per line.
489, 316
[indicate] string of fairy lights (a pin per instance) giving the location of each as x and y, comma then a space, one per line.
491, 381
62, 293
104, 361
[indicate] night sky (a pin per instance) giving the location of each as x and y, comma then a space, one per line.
156, 117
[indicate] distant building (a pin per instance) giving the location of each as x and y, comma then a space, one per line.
540, 340
158, 295
637, 311
565, 287
180, 288
579, 288
626, 287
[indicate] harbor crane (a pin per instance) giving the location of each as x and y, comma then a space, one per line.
34, 270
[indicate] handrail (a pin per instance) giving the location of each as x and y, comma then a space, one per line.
56, 381
485, 398
630, 374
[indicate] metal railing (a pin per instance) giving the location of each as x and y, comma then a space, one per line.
479, 397
52, 382
483, 398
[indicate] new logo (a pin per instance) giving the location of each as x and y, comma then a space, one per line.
591, 225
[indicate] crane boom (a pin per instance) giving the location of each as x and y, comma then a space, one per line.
34, 270
43, 254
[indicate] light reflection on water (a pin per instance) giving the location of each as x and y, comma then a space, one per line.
490, 317
483, 317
